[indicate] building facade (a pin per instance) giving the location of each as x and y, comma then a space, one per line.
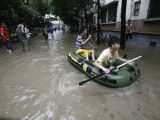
144, 15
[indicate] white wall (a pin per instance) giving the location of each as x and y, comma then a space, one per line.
129, 14
109, 1
143, 10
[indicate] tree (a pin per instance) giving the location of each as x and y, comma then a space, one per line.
123, 24
72, 12
30, 10
98, 25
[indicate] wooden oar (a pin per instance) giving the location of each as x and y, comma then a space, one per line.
85, 81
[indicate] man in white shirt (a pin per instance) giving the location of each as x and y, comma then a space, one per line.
22, 35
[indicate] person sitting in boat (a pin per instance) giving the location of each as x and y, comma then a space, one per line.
109, 55
81, 41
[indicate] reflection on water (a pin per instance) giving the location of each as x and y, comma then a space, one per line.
42, 85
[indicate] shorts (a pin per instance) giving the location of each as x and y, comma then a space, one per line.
8, 45
84, 52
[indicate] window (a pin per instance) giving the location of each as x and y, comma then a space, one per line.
103, 15
137, 8
154, 9
109, 13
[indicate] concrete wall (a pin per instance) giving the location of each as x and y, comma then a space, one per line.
139, 26
130, 8
146, 32
109, 1
143, 10
147, 26
144, 39
140, 23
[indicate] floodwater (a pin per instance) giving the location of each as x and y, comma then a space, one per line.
42, 85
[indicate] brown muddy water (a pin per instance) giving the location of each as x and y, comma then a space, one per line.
42, 85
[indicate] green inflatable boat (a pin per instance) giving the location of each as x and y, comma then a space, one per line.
126, 75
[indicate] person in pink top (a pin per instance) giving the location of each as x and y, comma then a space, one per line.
129, 30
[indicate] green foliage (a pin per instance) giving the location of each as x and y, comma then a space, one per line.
12, 11
30, 10
34, 34
70, 11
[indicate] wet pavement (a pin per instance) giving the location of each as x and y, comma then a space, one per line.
42, 85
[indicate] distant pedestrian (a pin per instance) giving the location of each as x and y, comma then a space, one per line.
6, 39
63, 28
45, 34
129, 30
50, 31
55, 29
28, 34
22, 35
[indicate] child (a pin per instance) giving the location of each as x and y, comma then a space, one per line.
81, 41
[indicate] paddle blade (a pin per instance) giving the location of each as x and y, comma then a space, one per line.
83, 82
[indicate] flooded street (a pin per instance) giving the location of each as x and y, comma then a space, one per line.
42, 85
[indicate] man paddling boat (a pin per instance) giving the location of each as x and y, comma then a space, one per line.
109, 55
